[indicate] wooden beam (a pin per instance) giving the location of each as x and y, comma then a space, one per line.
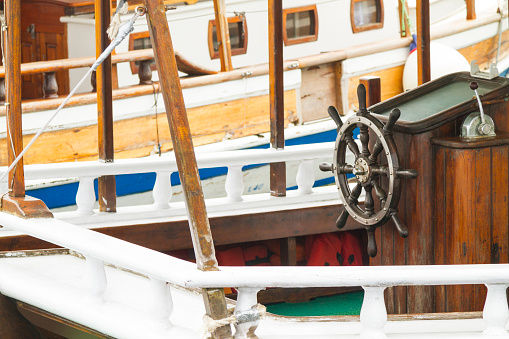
276, 91
106, 184
14, 145
215, 302
470, 9
223, 36
16, 202
423, 42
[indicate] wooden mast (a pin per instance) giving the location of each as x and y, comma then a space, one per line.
423, 42
16, 202
106, 184
223, 36
215, 303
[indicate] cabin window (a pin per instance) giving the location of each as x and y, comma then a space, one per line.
140, 40
300, 25
366, 15
238, 36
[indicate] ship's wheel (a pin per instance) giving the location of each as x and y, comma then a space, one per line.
375, 170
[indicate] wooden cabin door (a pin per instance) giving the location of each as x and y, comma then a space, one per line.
31, 84
42, 46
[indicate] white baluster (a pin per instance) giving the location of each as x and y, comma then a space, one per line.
234, 185
160, 301
373, 312
162, 190
85, 198
496, 311
248, 317
305, 177
95, 277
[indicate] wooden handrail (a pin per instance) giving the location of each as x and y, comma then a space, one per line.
66, 64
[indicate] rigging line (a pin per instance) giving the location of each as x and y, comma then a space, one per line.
123, 32
157, 122
406, 17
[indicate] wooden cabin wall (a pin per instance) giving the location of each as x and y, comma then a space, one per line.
49, 42
238, 118
457, 211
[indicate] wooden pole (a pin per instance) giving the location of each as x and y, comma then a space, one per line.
470, 9
13, 94
223, 36
16, 202
215, 303
276, 95
423, 42
106, 184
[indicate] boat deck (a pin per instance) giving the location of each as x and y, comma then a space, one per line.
59, 284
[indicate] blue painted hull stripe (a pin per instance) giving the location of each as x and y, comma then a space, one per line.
65, 195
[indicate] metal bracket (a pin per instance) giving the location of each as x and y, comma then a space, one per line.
476, 72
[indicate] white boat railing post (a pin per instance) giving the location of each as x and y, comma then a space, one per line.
95, 277
496, 311
373, 312
234, 185
85, 197
160, 301
248, 316
162, 191
305, 176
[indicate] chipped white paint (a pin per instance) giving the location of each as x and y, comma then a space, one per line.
162, 190
85, 197
246, 300
234, 184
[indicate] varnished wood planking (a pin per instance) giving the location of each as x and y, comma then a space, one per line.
472, 187
440, 227
419, 218
500, 201
137, 137
483, 218
460, 190
400, 244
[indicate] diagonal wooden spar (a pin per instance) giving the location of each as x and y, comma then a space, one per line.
201, 235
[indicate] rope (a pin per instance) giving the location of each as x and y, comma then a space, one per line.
210, 325
123, 32
406, 17
122, 8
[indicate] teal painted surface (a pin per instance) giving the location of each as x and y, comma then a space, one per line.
439, 99
340, 304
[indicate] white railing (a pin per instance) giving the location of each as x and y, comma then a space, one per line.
164, 166
160, 268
